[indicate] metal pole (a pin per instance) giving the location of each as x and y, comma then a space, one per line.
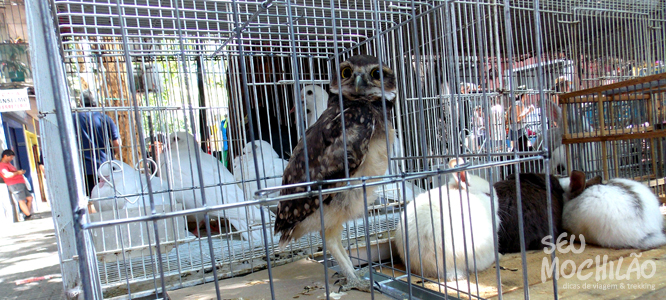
545, 109
57, 130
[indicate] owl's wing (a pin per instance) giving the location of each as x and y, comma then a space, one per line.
326, 160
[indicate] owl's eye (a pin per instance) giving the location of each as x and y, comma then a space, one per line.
346, 72
309, 93
375, 74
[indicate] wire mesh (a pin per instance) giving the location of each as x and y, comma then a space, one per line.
191, 84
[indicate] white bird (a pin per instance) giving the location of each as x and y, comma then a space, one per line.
271, 167
120, 180
315, 100
130, 191
220, 185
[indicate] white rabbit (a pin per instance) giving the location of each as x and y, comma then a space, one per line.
619, 214
444, 208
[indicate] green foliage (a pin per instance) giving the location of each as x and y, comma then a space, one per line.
10, 54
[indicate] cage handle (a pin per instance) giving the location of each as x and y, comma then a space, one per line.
150, 160
112, 171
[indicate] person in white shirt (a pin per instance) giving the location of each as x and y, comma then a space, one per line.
517, 128
497, 123
479, 127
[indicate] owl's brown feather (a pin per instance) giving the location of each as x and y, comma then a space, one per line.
364, 89
363, 121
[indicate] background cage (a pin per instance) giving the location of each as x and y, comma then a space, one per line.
164, 66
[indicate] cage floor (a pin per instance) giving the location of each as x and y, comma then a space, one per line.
512, 277
233, 257
304, 279
619, 262
652, 288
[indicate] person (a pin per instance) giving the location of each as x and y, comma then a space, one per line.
41, 163
94, 130
468, 88
464, 108
479, 127
155, 151
497, 123
561, 85
16, 183
516, 132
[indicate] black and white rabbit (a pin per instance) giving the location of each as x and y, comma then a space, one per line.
621, 213
535, 211
446, 208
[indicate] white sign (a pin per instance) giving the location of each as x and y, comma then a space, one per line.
14, 100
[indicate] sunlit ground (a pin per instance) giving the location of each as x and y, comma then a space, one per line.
29, 264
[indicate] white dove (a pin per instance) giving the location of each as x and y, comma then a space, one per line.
315, 99
119, 179
219, 182
271, 167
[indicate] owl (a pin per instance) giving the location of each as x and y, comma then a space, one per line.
360, 87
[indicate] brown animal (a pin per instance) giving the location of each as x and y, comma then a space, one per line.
535, 211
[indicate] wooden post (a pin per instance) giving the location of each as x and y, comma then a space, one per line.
653, 141
602, 125
565, 129
203, 118
116, 89
615, 157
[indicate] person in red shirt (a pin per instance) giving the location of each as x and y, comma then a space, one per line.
15, 182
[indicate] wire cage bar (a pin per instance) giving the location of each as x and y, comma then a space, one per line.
210, 98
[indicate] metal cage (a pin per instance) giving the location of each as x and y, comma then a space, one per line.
233, 72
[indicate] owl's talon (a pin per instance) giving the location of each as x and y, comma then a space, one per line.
360, 273
363, 285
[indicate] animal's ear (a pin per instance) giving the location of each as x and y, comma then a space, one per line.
561, 169
460, 177
577, 184
455, 162
594, 181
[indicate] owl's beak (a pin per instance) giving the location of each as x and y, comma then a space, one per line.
358, 83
